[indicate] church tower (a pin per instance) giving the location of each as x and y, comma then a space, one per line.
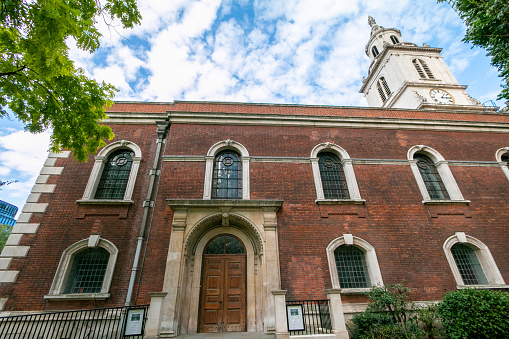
404, 75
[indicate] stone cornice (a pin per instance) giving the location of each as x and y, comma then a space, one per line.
179, 204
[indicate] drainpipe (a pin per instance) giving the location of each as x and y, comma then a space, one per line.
162, 128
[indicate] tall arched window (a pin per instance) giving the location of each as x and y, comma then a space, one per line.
227, 176
115, 176
374, 51
468, 265
352, 268
353, 264
114, 173
422, 68
87, 272
394, 39
471, 262
431, 177
383, 89
333, 177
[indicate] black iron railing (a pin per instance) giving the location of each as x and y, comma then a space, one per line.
308, 317
103, 323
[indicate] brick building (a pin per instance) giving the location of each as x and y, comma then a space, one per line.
216, 213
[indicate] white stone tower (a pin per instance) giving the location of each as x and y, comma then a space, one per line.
404, 75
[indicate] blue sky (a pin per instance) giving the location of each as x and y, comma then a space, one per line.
272, 51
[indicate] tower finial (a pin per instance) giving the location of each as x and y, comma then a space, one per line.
371, 21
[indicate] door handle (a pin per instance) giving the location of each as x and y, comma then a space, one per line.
220, 301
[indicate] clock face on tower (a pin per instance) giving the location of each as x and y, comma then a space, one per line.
442, 97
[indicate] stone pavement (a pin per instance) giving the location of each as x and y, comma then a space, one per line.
227, 335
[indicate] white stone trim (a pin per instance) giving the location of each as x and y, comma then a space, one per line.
371, 261
209, 166
43, 188
42, 179
503, 165
34, 207
25, 228
15, 251
346, 161
8, 276
34, 197
102, 157
442, 167
13, 240
483, 254
61, 155
64, 267
5, 263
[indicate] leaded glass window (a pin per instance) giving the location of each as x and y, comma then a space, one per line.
87, 272
468, 264
431, 177
115, 175
225, 244
505, 158
352, 268
394, 39
333, 177
374, 51
227, 176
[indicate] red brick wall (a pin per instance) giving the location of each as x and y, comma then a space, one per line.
407, 240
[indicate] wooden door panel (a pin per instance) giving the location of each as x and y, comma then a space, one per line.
223, 297
212, 294
235, 294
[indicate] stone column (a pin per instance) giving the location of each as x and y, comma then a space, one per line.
173, 276
336, 314
280, 310
272, 274
155, 312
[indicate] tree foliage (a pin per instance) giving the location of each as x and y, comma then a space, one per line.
488, 27
471, 313
5, 231
40, 84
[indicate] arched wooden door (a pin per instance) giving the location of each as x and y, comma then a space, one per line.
223, 288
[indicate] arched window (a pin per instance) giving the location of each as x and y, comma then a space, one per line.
115, 176
502, 155
85, 270
383, 89
333, 177
468, 265
374, 51
431, 177
226, 171
471, 262
353, 264
225, 244
352, 268
227, 176
422, 68
88, 270
114, 173
394, 39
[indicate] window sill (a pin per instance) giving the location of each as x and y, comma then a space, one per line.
104, 202
355, 290
446, 202
77, 296
482, 287
340, 202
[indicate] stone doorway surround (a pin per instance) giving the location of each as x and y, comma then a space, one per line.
195, 222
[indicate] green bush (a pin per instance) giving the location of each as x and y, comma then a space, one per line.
388, 315
476, 314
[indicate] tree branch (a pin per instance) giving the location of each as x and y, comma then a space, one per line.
13, 72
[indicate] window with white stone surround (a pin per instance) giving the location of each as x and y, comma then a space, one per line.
432, 174
331, 162
115, 170
85, 270
353, 264
471, 262
502, 157
220, 150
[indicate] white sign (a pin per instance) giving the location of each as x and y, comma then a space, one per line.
295, 318
134, 323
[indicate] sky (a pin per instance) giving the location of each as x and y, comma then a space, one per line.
264, 51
